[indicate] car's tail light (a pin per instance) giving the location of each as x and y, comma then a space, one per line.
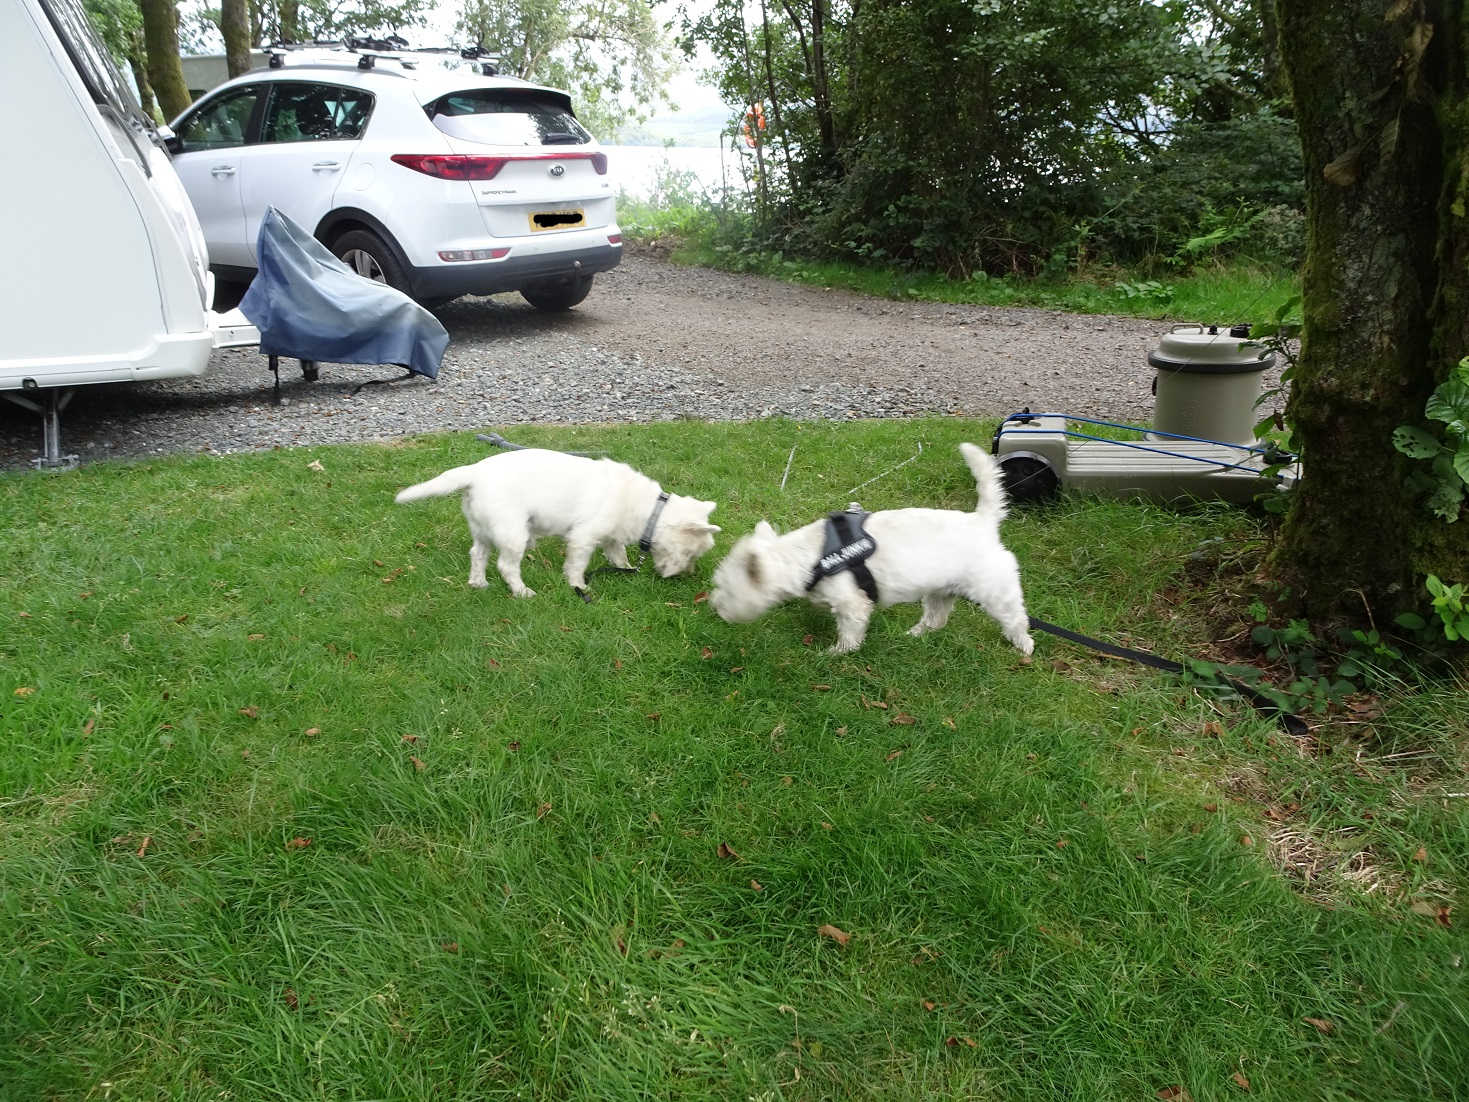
451, 166
460, 166
454, 255
614, 239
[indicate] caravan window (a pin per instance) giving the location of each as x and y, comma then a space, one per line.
221, 124
315, 113
92, 62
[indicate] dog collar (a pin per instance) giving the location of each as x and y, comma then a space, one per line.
645, 541
847, 547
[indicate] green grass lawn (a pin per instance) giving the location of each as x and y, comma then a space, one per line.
287, 811
1222, 293
1211, 290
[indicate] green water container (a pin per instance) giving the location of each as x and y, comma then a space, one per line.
1207, 383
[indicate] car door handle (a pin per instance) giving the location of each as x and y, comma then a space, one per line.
222, 170
326, 165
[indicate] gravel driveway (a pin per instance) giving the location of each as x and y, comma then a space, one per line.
653, 341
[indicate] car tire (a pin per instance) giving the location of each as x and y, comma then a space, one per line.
1029, 479
554, 295
371, 257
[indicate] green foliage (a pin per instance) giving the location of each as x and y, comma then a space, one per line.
1148, 289
118, 23
612, 55
1232, 187
1280, 336
1318, 674
1448, 452
1452, 606
1067, 132
303, 21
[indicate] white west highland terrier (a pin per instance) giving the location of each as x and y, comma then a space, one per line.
513, 497
932, 555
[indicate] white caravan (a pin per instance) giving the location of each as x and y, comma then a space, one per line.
107, 278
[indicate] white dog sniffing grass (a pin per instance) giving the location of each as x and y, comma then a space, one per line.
929, 555
513, 497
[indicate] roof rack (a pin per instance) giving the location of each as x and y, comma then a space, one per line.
368, 51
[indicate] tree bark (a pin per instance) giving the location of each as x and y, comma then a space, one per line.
814, 55
161, 39
289, 13
138, 63
793, 179
1270, 64
234, 24
1379, 95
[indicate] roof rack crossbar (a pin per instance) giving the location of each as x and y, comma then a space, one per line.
368, 51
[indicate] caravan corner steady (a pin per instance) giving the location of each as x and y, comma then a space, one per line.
109, 279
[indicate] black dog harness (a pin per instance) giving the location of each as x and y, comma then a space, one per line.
847, 547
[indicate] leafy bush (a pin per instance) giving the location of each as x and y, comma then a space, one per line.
1448, 454
1240, 182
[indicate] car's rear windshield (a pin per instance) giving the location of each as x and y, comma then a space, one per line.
507, 116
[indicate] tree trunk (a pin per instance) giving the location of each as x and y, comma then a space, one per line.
1270, 65
762, 183
289, 13
793, 178
821, 83
814, 55
1380, 104
234, 24
138, 63
161, 39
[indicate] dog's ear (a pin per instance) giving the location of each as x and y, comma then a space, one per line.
707, 506
752, 567
764, 530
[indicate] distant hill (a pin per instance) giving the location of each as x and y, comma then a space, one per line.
698, 126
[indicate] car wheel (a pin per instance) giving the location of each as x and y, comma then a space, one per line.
369, 256
557, 294
1029, 479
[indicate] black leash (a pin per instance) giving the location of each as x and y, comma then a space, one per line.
1292, 724
356, 390
494, 439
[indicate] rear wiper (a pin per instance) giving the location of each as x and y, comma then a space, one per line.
560, 137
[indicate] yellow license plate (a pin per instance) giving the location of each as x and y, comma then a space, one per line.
557, 220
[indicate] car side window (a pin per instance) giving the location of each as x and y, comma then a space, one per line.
223, 124
315, 113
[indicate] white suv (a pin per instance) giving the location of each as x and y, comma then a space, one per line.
418, 168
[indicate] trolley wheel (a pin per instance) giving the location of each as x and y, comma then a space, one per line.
1029, 479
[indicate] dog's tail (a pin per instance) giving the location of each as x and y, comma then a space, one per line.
450, 482
993, 504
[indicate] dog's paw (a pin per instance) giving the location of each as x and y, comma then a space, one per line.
842, 648
478, 584
523, 591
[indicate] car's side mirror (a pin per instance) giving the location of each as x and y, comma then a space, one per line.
171, 141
